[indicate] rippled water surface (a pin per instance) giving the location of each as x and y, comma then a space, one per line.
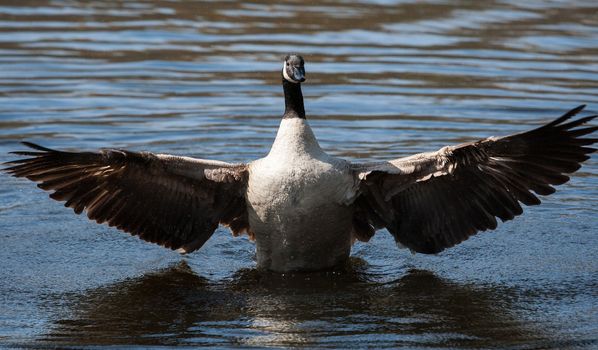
385, 79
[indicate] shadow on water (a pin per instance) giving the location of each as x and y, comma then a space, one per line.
175, 306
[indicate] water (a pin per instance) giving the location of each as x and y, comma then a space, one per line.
385, 79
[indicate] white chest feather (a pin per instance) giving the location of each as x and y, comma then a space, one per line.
297, 176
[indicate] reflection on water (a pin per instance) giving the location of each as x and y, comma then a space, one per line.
386, 78
175, 306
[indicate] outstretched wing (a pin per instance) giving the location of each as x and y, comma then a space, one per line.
432, 201
176, 202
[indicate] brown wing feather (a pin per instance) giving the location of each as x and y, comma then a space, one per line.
173, 201
465, 188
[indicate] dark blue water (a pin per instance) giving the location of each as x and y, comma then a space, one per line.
385, 79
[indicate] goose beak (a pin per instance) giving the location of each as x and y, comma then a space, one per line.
299, 74
293, 73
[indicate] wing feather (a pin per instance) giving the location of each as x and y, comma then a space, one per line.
176, 202
434, 200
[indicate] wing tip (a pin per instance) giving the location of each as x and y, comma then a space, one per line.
574, 111
37, 147
577, 109
41, 150
568, 115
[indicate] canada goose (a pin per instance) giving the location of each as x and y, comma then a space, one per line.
303, 207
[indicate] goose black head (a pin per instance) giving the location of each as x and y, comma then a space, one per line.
293, 69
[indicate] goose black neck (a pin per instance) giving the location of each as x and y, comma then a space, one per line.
293, 100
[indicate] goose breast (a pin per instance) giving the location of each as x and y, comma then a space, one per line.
299, 211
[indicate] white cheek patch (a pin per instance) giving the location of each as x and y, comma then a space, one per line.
286, 76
